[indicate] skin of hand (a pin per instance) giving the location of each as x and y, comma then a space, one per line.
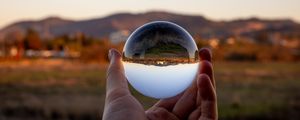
198, 102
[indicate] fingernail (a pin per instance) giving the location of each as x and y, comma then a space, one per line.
110, 53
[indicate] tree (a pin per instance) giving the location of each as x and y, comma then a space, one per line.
263, 38
32, 40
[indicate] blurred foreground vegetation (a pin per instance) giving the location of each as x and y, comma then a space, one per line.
47, 89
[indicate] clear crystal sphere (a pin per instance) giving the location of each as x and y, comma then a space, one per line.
160, 59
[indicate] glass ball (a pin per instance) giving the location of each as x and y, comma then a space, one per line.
160, 59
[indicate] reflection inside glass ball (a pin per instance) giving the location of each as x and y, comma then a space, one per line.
160, 59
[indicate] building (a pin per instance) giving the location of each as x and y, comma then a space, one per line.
214, 42
119, 36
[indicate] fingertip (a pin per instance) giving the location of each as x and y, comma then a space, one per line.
205, 54
114, 54
206, 68
206, 88
116, 65
202, 80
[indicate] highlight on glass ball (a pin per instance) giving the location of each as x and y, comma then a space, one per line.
160, 59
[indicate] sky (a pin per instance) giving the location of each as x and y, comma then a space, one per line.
16, 10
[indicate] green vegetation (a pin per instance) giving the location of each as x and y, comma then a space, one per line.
258, 90
167, 50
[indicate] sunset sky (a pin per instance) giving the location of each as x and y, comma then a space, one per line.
16, 10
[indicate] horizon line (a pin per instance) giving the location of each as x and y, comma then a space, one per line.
144, 12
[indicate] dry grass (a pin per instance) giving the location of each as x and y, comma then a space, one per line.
59, 89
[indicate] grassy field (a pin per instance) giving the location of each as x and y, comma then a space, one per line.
58, 89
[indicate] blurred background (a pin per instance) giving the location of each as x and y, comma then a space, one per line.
53, 54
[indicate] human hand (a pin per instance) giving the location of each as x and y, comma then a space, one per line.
197, 102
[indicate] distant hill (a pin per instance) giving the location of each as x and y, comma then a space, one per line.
196, 25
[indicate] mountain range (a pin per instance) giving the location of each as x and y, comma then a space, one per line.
195, 24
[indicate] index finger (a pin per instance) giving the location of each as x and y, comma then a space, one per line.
116, 83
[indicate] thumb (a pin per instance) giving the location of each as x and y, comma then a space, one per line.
116, 83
